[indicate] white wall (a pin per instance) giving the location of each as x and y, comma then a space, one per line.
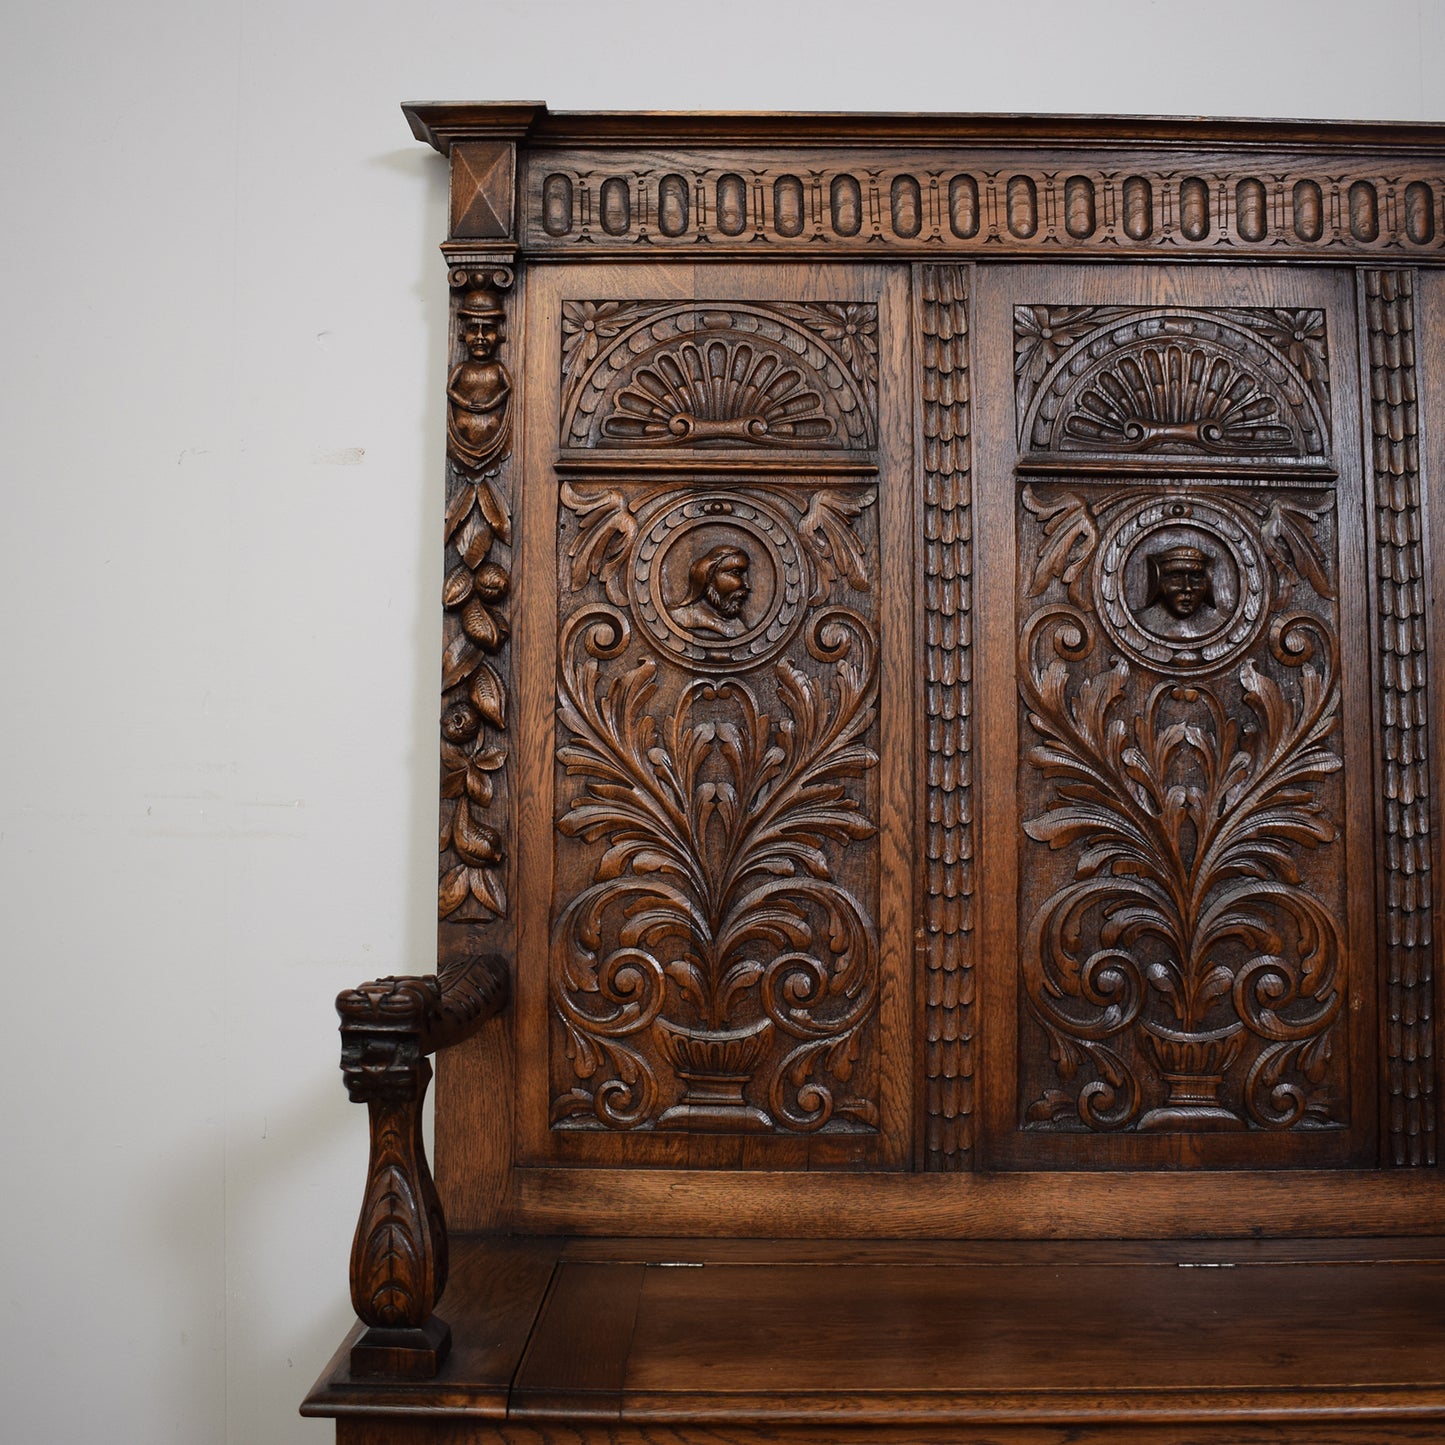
220, 401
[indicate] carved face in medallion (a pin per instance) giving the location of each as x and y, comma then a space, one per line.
717, 590
719, 580
1180, 581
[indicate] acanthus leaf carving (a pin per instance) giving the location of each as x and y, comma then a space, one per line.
1186, 953
715, 937
1071, 537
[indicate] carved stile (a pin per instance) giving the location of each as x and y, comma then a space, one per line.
1404, 721
948, 715
473, 839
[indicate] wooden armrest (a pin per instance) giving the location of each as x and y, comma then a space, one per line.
399, 1254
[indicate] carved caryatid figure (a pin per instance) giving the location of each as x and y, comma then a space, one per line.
717, 589
479, 424
1180, 581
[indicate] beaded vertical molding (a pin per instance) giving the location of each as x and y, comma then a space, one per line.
1404, 769
948, 646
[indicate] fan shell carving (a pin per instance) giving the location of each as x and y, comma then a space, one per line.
1189, 383
718, 391
1167, 394
655, 374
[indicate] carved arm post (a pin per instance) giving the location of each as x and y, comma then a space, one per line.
399, 1255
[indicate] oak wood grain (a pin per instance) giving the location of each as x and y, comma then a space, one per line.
940, 724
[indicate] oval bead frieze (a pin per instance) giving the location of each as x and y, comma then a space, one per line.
788, 206
616, 206
845, 204
557, 205
673, 205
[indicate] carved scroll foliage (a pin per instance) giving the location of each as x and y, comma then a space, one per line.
1224, 382
719, 971
948, 656
1186, 973
653, 374
475, 627
1404, 716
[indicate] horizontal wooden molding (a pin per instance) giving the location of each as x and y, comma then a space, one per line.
981, 201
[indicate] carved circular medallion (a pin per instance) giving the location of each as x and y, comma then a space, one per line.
1179, 583
719, 582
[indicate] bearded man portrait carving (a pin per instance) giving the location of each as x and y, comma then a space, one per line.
717, 590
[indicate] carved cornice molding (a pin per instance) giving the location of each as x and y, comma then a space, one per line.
990, 202
442, 123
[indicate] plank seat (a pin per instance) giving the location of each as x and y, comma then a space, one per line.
969, 1341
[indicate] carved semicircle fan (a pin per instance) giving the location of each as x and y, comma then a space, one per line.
1188, 384
723, 377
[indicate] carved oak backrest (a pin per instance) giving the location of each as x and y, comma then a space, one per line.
935, 698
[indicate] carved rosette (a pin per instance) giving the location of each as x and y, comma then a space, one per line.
1404, 804
715, 963
948, 696
472, 883
1156, 383
1182, 957
653, 374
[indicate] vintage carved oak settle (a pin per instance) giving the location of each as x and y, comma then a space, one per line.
936, 744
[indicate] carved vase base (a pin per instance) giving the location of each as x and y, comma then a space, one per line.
1192, 1107
715, 1066
411, 1354
1191, 1119
714, 1104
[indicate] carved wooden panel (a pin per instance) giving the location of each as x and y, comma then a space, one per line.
715, 951
1404, 719
664, 375
1182, 953
1183, 386
984, 200
947, 583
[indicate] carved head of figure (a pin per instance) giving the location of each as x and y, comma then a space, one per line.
1180, 580
479, 320
719, 579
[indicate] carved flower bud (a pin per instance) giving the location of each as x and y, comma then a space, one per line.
460, 722
490, 581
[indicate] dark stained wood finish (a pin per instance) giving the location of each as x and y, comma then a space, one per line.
444, 1432
938, 726
1159, 1041
756, 1337
399, 1255
497, 1286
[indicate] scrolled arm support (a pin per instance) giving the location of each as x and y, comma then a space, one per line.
399, 1254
